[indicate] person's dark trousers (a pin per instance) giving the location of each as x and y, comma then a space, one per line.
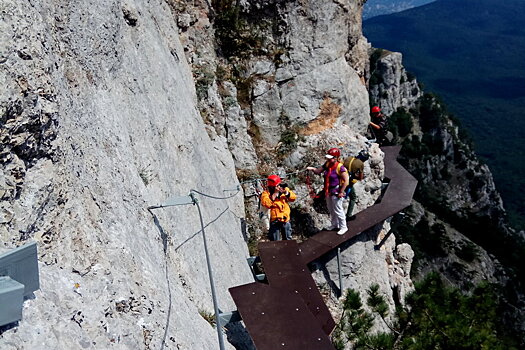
277, 228
351, 204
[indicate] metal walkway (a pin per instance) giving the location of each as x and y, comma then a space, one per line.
289, 312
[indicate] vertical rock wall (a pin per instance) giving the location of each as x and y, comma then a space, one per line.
452, 170
98, 123
459, 229
394, 88
323, 61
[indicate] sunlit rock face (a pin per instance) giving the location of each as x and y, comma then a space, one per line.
395, 88
99, 121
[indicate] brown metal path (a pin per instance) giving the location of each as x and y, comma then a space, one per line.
285, 272
278, 319
290, 313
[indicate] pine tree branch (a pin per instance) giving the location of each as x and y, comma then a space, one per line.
435, 325
400, 336
388, 324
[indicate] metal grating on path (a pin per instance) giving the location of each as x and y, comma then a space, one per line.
285, 269
278, 319
290, 313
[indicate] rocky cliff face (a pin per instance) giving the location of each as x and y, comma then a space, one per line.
280, 67
98, 122
434, 146
112, 107
449, 173
390, 84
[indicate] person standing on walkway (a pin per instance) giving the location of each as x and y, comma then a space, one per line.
336, 181
355, 166
276, 198
378, 124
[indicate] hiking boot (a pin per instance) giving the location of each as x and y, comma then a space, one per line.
350, 218
342, 231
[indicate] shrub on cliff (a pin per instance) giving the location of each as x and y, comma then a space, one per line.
434, 317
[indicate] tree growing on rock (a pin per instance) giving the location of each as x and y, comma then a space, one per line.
434, 316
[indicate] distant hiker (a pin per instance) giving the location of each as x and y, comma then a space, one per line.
379, 126
335, 183
276, 198
355, 166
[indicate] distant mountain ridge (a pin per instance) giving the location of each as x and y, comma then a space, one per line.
471, 52
374, 8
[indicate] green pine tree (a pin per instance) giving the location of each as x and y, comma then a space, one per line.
434, 316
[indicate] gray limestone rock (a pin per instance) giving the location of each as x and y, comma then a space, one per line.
395, 88
103, 124
362, 266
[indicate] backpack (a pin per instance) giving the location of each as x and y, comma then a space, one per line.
354, 177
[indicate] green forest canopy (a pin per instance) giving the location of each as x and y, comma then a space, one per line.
471, 53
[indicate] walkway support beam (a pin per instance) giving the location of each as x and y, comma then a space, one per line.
339, 271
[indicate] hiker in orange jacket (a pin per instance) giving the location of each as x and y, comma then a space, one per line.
276, 199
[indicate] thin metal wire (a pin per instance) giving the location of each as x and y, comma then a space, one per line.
167, 275
215, 197
368, 144
208, 261
263, 178
208, 224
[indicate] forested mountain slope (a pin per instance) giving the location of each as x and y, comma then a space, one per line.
471, 53
457, 224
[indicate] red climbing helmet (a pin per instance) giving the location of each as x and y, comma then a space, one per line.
376, 109
333, 153
273, 180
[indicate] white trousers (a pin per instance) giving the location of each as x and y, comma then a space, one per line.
337, 213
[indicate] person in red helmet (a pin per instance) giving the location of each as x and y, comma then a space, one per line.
276, 198
378, 124
336, 181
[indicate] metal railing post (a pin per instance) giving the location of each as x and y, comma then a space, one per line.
210, 274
